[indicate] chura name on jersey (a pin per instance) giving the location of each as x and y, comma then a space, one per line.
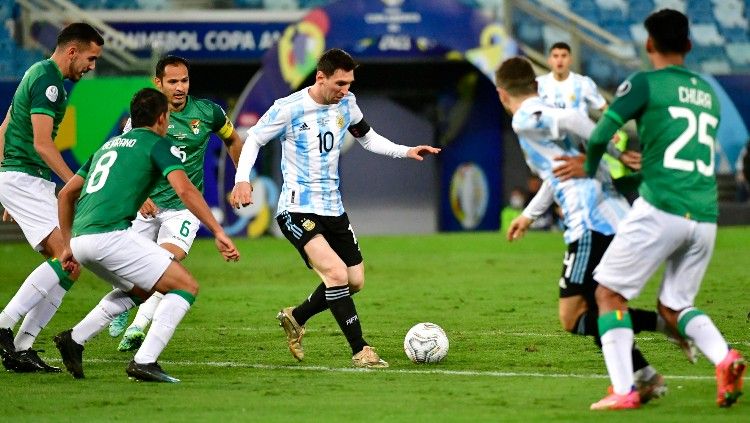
694, 96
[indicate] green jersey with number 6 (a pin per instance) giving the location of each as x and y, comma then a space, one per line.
677, 113
189, 130
118, 179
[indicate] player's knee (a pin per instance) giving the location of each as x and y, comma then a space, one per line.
337, 277
568, 322
356, 284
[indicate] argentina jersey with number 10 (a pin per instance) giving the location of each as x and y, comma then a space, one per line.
586, 203
311, 136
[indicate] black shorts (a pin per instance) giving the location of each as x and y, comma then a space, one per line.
300, 228
579, 263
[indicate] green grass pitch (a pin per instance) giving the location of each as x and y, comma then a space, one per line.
509, 359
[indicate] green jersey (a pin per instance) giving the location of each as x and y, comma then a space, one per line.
119, 177
677, 113
189, 130
41, 91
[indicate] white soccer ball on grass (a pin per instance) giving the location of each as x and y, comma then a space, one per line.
426, 343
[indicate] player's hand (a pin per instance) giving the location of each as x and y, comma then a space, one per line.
242, 195
149, 209
6, 216
631, 159
418, 152
518, 227
226, 247
68, 262
572, 167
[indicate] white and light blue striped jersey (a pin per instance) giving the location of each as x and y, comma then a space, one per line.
575, 92
587, 204
311, 138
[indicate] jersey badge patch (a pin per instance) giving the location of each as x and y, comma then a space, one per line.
52, 93
340, 121
623, 89
195, 126
308, 225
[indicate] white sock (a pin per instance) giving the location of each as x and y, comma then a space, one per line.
616, 346
38, 318
168, 315
113, 304
704, 333
146, 311
34, 288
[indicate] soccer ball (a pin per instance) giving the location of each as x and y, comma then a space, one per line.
426, 343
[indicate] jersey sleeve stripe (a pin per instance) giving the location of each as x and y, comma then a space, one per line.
172, 168
614, 116
41, 111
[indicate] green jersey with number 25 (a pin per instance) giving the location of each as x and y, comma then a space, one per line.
119, 177
677, 113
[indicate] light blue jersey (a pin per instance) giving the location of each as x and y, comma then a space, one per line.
544, 133
311, 138
577, 92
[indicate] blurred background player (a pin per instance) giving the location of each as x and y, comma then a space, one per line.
565, 89
28, 194
164, 218
311, 125
591, 208
106, 194
673, 221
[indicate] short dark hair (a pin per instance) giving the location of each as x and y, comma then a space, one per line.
169, 60
79, 32
669, 31
333, 59
516, 76
560, 45
146, 107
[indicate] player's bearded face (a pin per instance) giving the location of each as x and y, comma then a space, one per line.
337, 85
175, 84
83, 60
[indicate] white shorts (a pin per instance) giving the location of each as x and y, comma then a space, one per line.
122, 258
170, 226
646, 238
32, 203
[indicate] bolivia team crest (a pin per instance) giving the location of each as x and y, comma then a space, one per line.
195, 126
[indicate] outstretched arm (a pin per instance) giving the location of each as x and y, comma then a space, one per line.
372, 141
194, 201
537, 207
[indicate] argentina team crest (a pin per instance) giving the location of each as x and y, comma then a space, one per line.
340, 121
308, 225
195, 126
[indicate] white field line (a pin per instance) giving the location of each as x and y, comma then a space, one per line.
463, 332
468, 373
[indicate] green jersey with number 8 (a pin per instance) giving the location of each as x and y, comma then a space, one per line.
118, 179
677, 113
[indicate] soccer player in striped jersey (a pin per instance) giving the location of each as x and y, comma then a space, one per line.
565, 89
591, 208
164, 218
311, 125
674, 221
28, 194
